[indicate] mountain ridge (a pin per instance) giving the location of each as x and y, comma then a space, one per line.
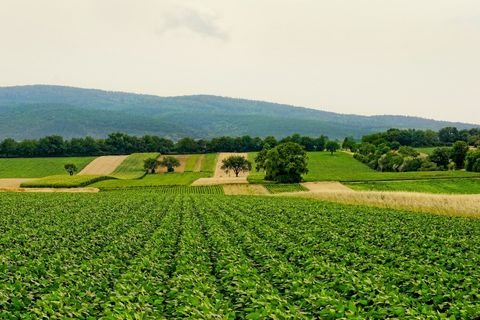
38, 110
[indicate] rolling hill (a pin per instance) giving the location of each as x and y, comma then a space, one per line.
39, 110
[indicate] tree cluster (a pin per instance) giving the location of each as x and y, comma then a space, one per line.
404, 158
121, 143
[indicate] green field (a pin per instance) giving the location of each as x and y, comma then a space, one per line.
449, 186
191, 161
64, 181
146, 255
218, 190
132, 166
152, 180
279, 188
209, 162
426, 150
343, 167
38, 167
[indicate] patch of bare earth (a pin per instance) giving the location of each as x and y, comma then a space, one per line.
326, 186
12, 183
180, 169
69, 190
244, 189
103, 165
222, 177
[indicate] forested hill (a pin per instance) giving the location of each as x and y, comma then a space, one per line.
40, 110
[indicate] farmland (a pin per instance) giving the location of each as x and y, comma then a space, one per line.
143, 254
343, 167
63, 181
38, 167
152, 180
132, 166
448, 186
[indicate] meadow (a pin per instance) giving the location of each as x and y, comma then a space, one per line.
63, 181
343, 167
447, 186
132, 166
142, 254
152, 180
38, 167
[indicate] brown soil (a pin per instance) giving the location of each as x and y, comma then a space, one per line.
327, 186
220, 173
102, 165
12, 183
183, 162
217, 181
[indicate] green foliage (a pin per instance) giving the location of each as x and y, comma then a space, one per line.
146, 255
286, 163
473, 161
280, 188
449, 186
39, 167
150, 164
64, 181
459, 153
209, 162
332, 146
133, 167
191, 161
236, 164
71, 168
170, 162
441, 157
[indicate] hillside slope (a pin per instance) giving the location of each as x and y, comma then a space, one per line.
39, 110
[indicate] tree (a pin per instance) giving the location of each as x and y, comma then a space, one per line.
448, 134
472, 162
441, 157
349, 144
332, 146
71, 168
286, 163
459, 153
237, 164
151, 164
170, 163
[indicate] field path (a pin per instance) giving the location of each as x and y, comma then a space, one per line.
198, 164
12, 183
326, 186
103, 165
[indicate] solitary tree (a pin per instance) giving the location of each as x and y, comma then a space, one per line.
332, 146
441, 157
285, 163
71, 168
151, 164
170, 163
236, 164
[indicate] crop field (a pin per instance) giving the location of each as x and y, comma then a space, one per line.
152, 180
191, 162
279, 188
132, 166
449, 186
209, 163
38, 167
343, 167
63, 181
141, 254
177, 189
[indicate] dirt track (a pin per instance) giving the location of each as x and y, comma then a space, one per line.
12, 183
220, 173
102, 166
327, 186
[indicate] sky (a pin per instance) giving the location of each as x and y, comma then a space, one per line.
408, 57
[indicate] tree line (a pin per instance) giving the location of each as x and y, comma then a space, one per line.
121, 143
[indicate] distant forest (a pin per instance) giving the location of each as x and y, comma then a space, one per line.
121, 143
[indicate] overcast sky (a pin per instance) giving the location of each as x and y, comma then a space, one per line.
411, 57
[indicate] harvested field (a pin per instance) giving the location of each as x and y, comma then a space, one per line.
12, 183
181, 169
326, 186
460, 205
219, 173
244, 189
102, 165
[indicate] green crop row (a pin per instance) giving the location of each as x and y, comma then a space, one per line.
141, 254
279, 188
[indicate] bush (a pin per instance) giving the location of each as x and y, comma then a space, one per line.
472, 162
